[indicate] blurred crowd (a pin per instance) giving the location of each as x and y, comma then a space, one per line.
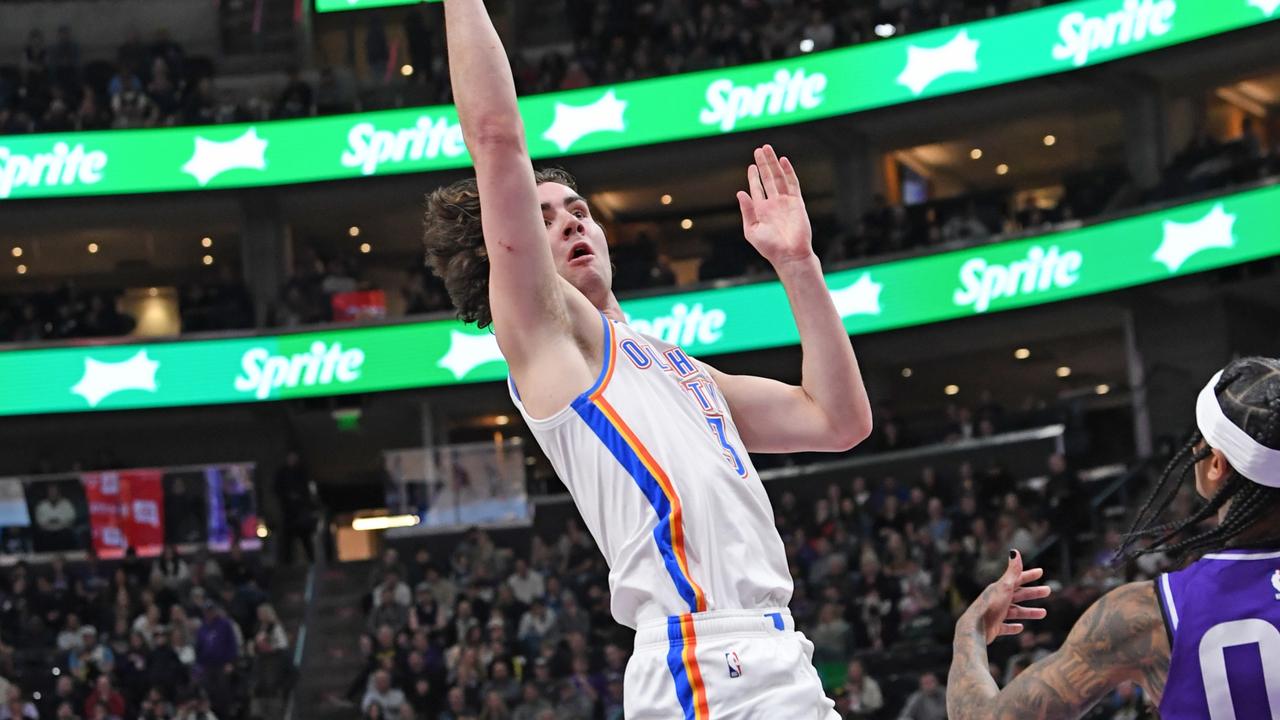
68, 312
882, 567
176, 638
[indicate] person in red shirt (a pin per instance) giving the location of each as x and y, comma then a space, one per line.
103, 692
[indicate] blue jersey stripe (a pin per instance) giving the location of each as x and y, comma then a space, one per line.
648, 484
608, 355
675, 662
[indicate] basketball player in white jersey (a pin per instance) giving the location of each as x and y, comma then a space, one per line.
652, 444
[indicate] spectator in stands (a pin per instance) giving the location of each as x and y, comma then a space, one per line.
929, 702
170, 569
17, 707
862, 697
104, 693
295, 497
56, 519
93, 657
381, 693
387, 611
269, 671
536, 626
64, 58
527, 584
296, 100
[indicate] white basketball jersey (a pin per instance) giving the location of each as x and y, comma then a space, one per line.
653, 460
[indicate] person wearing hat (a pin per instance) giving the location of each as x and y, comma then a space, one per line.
1200, 642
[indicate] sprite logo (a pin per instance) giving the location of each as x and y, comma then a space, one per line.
684, 325
64, 165
982, 282
263, 372
368, 147
788, 92
1081, 34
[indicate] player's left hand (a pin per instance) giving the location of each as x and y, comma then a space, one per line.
774, 218
996, 611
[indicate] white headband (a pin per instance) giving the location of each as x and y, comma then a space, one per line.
1247, 456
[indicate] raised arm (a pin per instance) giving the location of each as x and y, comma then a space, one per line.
525, 293
829, 410
1121, 638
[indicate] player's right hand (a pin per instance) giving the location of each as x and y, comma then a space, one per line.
996, 612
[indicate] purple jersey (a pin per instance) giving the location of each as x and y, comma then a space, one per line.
1223, 618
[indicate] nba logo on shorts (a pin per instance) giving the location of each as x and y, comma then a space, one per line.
1275, 583
735, 667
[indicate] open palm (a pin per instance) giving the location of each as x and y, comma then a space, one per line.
774, 218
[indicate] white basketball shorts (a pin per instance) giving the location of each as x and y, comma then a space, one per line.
724, 665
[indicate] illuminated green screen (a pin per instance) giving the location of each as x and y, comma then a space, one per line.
715, 102
1070, 264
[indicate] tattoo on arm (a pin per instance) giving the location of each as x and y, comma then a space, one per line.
1121, 638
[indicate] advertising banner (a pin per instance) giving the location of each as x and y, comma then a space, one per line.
1054, 39
1154, 247
126, 510
232, 507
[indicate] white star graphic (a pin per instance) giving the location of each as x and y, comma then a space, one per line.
860, 298
574, 123
926, 65
468, 352
1183, 240
211, 158
102, 380
1266, 6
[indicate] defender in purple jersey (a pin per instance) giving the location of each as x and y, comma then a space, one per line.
1203, 642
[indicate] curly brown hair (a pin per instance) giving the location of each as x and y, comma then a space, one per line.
454, 241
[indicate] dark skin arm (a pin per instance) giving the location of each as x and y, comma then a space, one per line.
1121, 638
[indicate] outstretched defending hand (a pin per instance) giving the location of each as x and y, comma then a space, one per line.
774, 218
992, 612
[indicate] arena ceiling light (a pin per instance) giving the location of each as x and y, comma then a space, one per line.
686, 224
807, 45
406, 70
93, 248
976, 154
1102, 389
667, 199
952, 390
354, 231
206, 242
1063, 372
366, 248
886, 30
207, 260
1050, 140
22, 269
1002, 169
1022, 353
907, 372
384, 522
17, 251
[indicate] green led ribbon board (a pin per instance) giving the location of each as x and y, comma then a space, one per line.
1075, 263
695, 105
328, 6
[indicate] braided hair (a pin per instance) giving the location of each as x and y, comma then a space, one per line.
1249, 394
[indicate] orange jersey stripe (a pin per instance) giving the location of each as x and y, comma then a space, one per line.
677, 514
700, 709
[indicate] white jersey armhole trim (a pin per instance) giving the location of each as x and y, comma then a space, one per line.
1167, 589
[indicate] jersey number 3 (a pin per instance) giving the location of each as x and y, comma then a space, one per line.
1213, 663
701, 392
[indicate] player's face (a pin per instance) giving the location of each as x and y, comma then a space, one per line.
578, 245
